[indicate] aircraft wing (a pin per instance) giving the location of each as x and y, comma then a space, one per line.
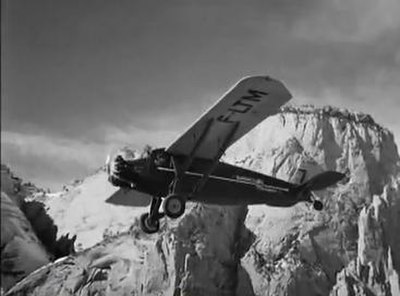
129, 197
243, 107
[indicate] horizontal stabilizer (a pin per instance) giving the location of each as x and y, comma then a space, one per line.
322, 181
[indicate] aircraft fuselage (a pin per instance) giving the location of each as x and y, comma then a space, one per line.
227, 185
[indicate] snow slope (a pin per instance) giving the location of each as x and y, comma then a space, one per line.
82, 210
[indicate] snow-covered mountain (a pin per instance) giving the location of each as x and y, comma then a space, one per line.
350, 248
82, 210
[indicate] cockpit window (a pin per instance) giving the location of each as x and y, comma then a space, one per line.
161, 158
128, 154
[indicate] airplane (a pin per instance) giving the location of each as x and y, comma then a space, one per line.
190, 168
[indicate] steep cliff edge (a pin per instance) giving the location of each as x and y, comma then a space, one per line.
21, 250
28, 234
350, 248
298, 251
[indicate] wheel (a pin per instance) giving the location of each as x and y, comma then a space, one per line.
174, 206
318, 205
149, 225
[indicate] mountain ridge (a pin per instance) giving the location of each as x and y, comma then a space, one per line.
348, 249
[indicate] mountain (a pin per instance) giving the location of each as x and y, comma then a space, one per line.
298, 251
352, 247
81, 209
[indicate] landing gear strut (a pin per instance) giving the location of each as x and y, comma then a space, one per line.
317, 204
174, 207
312, 198
150, 222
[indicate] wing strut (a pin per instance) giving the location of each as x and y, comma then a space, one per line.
214, 163
182, 165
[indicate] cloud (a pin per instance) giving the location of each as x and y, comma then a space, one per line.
349, 21
137, 138
347, 54
103, 85
51, 161
375, 93
59, 149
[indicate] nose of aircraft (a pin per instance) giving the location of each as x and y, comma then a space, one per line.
113, 170
114, 164
119, 170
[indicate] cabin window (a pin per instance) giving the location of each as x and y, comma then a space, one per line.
161, 158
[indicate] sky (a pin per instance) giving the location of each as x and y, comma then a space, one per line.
80, 78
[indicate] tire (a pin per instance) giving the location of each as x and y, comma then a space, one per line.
149, 225
174, 206
318, 205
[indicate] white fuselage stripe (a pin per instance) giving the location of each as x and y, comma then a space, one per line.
261, 186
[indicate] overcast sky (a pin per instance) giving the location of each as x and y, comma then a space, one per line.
82, 77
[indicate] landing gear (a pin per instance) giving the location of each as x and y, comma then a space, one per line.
318, 205
174, 206
150, 222
312, 198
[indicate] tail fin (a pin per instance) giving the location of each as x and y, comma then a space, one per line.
321, 181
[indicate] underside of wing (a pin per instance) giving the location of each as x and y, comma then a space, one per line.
243, 107
129, 197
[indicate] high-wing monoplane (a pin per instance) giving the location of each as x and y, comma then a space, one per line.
190, 168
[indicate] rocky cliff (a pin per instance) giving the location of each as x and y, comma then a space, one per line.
350, 248
28, 234
301, 252
21, 250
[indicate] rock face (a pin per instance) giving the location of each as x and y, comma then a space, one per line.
352, 247
28, 234
21, 250
298, 251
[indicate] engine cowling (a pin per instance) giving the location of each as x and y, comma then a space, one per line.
120, 172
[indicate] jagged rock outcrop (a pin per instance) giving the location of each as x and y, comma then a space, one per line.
373, 271
183, 260
350, 248
21, 250
28, 234
298, 251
